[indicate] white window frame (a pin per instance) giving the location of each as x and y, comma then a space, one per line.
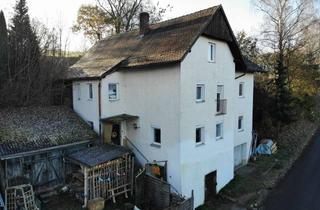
117, 92
220, 89
202, 135
240, 118
90, 91
78, 91
241, 84
212, 52
221, 132
202, 99
153, 135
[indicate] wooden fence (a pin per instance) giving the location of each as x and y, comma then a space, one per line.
152, 193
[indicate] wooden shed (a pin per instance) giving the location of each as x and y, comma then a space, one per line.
106, 172
34, 141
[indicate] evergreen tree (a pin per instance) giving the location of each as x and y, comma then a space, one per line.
3, 50
24, 52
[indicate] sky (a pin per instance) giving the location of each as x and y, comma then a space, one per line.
241, 14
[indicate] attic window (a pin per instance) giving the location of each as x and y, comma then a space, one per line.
212, 52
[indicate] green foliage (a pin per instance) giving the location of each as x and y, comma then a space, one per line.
93, 22
248, 46
4, 50
23, 43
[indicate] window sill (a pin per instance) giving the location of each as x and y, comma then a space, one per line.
211, 61
89, 99
199, 144
240, 96
156, 145
219, 138
114, 99
200, 101
240, 130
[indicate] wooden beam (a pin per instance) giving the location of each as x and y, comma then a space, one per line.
85, 188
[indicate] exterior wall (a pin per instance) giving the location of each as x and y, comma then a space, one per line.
87, 108
199, 160
153, 95
244, 107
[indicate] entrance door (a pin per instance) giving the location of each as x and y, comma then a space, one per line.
210, 185
115, 134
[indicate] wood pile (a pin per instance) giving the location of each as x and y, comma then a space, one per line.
76, 185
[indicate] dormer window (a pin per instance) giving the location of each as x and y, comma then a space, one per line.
212, 52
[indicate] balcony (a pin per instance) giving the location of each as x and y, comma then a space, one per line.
221, 106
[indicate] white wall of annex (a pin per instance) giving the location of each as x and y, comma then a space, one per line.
153, 95
87, 109
244, 107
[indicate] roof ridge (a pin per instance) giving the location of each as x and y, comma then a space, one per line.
186, 15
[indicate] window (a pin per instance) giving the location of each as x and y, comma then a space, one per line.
240, 123
219, 130
200, 135
113, 91
212, 52
221, 103
200, 93
90, 91
241, 86
157, 135
78, 91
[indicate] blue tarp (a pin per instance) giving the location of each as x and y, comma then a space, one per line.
265, 148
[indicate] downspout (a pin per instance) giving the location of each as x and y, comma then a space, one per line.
99, 108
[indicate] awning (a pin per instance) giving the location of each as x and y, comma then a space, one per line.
119, 118
98, 154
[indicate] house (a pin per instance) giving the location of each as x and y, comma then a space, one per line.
178, 91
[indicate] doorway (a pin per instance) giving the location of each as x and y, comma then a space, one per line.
210, 185
112, 133
115, 134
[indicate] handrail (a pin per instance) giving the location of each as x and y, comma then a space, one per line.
144, 157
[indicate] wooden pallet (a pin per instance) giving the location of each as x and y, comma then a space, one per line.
21, 194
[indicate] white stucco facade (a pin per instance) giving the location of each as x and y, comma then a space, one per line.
165, 97
244, 109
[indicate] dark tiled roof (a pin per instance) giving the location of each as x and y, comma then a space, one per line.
253, 67
166, 42
98, 154
29, 129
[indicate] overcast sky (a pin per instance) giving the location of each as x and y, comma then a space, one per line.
241, 14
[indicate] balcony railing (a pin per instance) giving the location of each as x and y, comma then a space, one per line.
221, 106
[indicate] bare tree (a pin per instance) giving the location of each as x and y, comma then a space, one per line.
283, 33
124, 13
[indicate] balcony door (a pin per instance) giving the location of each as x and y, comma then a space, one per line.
219, 97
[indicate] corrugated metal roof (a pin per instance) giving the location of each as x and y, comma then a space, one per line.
98, 154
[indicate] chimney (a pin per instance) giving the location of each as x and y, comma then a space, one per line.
144, 23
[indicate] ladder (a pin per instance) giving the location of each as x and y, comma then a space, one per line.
22, 195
